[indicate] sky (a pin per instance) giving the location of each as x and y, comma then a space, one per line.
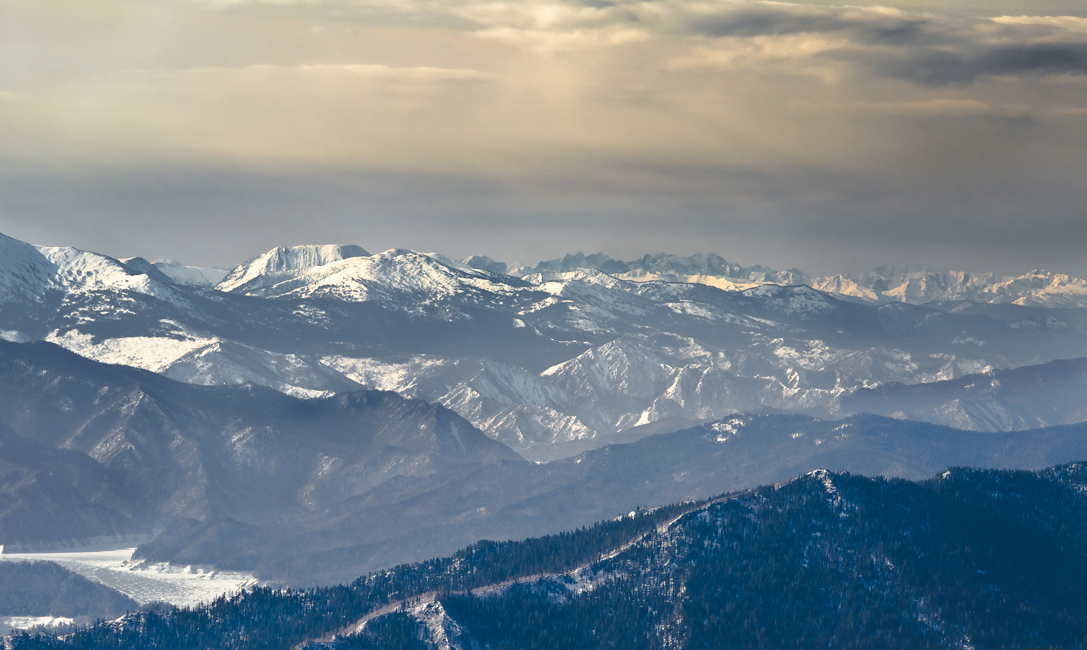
814, 135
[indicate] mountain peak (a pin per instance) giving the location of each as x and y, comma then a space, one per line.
484, 263
575, 261
289, 258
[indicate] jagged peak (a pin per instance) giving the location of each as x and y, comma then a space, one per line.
484, 263
574, 261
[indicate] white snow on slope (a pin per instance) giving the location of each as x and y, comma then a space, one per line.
154, 353
506, 402
441, 630
206, 361
10, 623
401, 279
24, 272
81, 272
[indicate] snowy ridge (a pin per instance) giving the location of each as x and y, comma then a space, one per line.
29, 272
83, 272
909, 284
792, 301
401, 279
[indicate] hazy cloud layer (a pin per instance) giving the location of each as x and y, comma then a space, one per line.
829, 135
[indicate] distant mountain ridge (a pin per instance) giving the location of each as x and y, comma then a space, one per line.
998, 400
910, 284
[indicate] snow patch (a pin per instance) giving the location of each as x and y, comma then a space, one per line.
728, 429
443, 633
154, 353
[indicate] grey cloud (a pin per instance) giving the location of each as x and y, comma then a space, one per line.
939, 67
867, 27
813, 218
923, 49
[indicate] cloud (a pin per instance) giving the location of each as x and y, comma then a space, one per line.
947, 107
750, 19
681, 124
1070, 23
924, 49
341, 73
972, 62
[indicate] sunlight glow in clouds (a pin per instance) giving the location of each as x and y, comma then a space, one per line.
795, 131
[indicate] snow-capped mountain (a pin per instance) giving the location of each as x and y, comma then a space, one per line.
551, 362
284, 263
26, 272
400, 279
34, 274
910, 284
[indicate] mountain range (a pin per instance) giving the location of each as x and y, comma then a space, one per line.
914, 284
550, 360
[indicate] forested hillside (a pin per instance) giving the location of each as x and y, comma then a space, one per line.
971, 558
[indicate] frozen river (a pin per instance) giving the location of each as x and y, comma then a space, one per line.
112, 566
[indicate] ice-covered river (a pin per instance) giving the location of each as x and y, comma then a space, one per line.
112, 565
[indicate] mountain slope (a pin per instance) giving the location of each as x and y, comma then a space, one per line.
171, 449
999, 400
970, 559
412, 518
49, 494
